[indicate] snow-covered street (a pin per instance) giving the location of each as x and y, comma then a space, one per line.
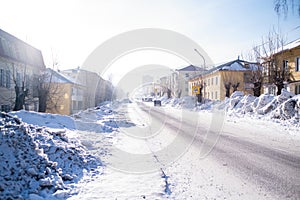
249, 159
134, 150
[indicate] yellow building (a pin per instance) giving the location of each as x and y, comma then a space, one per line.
235, 74
66, 97
289, 58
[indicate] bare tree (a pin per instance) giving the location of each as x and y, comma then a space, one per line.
21, 91
227, 86
284, 6
275, 70
48, 92
256, 75
230, 81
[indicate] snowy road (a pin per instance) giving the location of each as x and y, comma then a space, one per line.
181, 155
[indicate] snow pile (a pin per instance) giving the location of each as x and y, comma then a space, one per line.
96, 119
39, 163
284, 107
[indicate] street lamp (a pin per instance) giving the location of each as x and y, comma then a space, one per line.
201, 57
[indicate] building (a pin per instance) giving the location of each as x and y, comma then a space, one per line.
20, 64
183, 77
286, 69
66, 97
97, 89
235, 75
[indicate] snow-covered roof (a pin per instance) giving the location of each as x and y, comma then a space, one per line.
190, 68
291, 45
58, 77
235, 65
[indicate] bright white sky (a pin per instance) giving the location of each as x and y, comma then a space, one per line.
74, 28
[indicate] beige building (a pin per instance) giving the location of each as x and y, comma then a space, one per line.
66, 96
20, 64
97, 89
236, 74
183, 77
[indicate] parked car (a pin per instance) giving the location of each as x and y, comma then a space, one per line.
157, 102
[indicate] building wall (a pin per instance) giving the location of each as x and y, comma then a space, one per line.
11, 71
292, 56
183, 81
214, 88
60, 102
20, 62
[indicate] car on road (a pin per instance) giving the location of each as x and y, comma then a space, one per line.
157, 102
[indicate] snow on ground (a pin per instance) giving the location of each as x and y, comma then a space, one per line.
46, 156
40, 163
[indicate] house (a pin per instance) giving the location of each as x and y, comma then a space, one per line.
20, 64
97, 89
66, 97
234, 75
287, 62
183, 77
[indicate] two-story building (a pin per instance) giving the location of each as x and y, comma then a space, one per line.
183, 77
287, 61
65, 95
221, 81
20, 63
97, 89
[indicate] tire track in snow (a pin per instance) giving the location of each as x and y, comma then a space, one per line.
276, 171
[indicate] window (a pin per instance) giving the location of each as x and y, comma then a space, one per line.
80, 105
2, 77
74, 105
208, 81
5, 108
216, 95
297, 89
297, 67
285, 65
7, 83
217, 80
212, 95
212, 81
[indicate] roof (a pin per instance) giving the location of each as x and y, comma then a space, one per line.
235, 65
58, 77
18, 50
190, 68
291, 45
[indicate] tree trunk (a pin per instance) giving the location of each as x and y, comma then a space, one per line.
279, 86
20, 98
257, 89
169, 93
227, 87
235, 86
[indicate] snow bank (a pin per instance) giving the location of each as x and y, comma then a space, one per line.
39, 163
284, 107
45, 119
